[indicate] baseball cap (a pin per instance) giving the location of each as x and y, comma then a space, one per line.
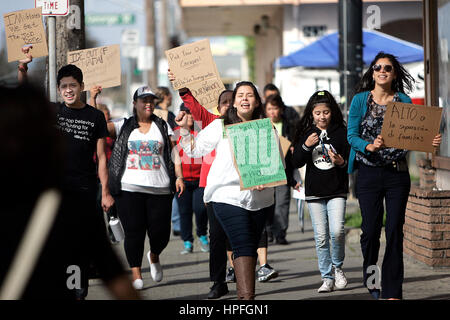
143, 92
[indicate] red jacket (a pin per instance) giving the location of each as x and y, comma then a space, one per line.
200, 114
191, 166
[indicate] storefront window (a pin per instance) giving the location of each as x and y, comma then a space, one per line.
444, 72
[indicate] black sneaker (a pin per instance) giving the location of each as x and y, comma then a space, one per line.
230, 277
282, 241
218, 290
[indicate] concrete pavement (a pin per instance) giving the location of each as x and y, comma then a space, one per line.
186, 277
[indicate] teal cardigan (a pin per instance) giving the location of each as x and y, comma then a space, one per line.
358, 109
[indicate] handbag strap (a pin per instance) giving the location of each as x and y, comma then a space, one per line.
30, 247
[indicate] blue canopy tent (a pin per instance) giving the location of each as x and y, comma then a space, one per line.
324, 53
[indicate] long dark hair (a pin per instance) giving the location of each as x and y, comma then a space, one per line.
231, 116
306, 123
402, 81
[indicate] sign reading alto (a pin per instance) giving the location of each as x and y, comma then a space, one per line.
53, 8
194, 68
411, 127
100, 66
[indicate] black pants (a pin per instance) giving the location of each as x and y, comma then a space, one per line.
142, 213
217, 247
375, 184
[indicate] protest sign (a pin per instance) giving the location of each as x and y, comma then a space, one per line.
164, 114
256, 153
24, 28
285, 145
411, 127
194, 68
100, 66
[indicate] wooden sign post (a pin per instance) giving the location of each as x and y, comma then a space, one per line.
411, 127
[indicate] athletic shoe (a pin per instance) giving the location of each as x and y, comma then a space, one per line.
266, 272
138, 284
218, 290
204, 244
188, 247
155, 269
230, 277
340, 281
327, 285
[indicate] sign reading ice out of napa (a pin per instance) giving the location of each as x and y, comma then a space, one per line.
257, 154
100, 66
194, 68
411, 127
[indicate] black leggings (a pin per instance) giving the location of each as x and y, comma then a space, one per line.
141, 213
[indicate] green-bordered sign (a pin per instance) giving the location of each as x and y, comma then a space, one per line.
257, 154
110, 19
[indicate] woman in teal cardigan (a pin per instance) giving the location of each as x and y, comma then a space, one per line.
382, 172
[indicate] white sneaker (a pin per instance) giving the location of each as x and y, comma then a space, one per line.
327, 285
138, 284
340, 281
155, 269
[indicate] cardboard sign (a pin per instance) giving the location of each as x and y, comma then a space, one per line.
164, 114
411, 127
194, 68
256, 154
100, 66
285, 145
24, 28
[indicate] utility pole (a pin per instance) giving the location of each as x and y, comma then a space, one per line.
70, 33
150, 40
350, 49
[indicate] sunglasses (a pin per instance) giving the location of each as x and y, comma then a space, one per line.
386, 67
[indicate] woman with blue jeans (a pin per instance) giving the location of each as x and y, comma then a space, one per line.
242, 214
382, 172
320, 143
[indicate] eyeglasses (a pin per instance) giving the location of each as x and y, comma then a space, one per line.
386, 67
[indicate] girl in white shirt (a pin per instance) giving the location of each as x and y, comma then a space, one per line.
241, 213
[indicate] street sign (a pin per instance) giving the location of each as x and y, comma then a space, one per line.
110, 19
130, 36
53, 8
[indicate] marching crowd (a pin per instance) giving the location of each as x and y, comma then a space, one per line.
157, 174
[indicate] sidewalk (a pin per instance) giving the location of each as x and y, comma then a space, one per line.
186, 277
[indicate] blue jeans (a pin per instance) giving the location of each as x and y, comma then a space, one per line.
175, 215
328, 218
190, 202
243, 227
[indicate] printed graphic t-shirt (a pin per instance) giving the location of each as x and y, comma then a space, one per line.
145, 170
81, 129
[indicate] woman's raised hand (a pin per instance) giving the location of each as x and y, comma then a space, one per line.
182, 120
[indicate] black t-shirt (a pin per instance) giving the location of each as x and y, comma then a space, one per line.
81, 128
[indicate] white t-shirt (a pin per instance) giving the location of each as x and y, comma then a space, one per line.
145, 170
223, 179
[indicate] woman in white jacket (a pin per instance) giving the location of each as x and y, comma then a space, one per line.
241, 213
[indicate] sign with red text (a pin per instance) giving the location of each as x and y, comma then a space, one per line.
53, 8
100, 66
411, 127
25, 28
194, 68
